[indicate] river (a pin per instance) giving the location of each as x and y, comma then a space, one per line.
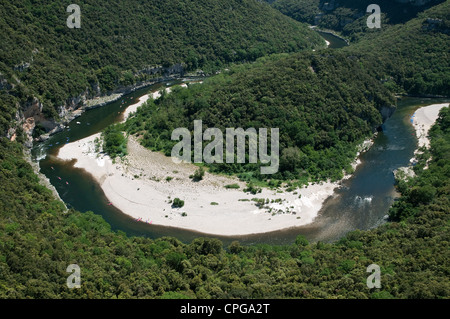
335, 42
361, 203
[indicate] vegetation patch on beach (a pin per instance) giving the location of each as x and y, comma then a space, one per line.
114, 141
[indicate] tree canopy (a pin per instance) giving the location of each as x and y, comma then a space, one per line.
122, 42
325, 101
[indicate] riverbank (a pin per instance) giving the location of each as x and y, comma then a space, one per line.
154, 95
43, 180
144, 184
330, 32
422, 120
69, 114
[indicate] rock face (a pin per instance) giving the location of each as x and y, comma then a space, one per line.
4, 84
414, 2
31, 112
22, 67
164, 71
28, 128
403, 173
435, 25
32, 108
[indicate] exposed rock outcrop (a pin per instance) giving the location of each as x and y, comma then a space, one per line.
4, 84
414, 2
31, 113
435, 25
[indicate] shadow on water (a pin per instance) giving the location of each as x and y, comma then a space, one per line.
360, 203
335, 41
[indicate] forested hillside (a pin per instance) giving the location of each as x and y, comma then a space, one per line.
119, 42
323, 104
409, 52
38, 241
349, 16
411, 57
326, 102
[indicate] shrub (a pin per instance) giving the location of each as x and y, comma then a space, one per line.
115, 143
177, 203
199, 174
252, 189
301, 241
232, 186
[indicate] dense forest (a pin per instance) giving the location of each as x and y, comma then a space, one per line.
326, 102
413, 57
348, 17
323, 104
120, 42
409, 53
38, 240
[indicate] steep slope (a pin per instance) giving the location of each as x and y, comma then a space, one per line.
38, 241
121, 42
410, 50
323, 104
411, 57
349, 16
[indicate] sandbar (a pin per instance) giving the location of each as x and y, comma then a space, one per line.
143, 184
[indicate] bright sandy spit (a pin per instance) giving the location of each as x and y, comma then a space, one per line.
423, 119
138, 186
145, 182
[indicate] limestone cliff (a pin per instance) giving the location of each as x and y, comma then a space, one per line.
31, 113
